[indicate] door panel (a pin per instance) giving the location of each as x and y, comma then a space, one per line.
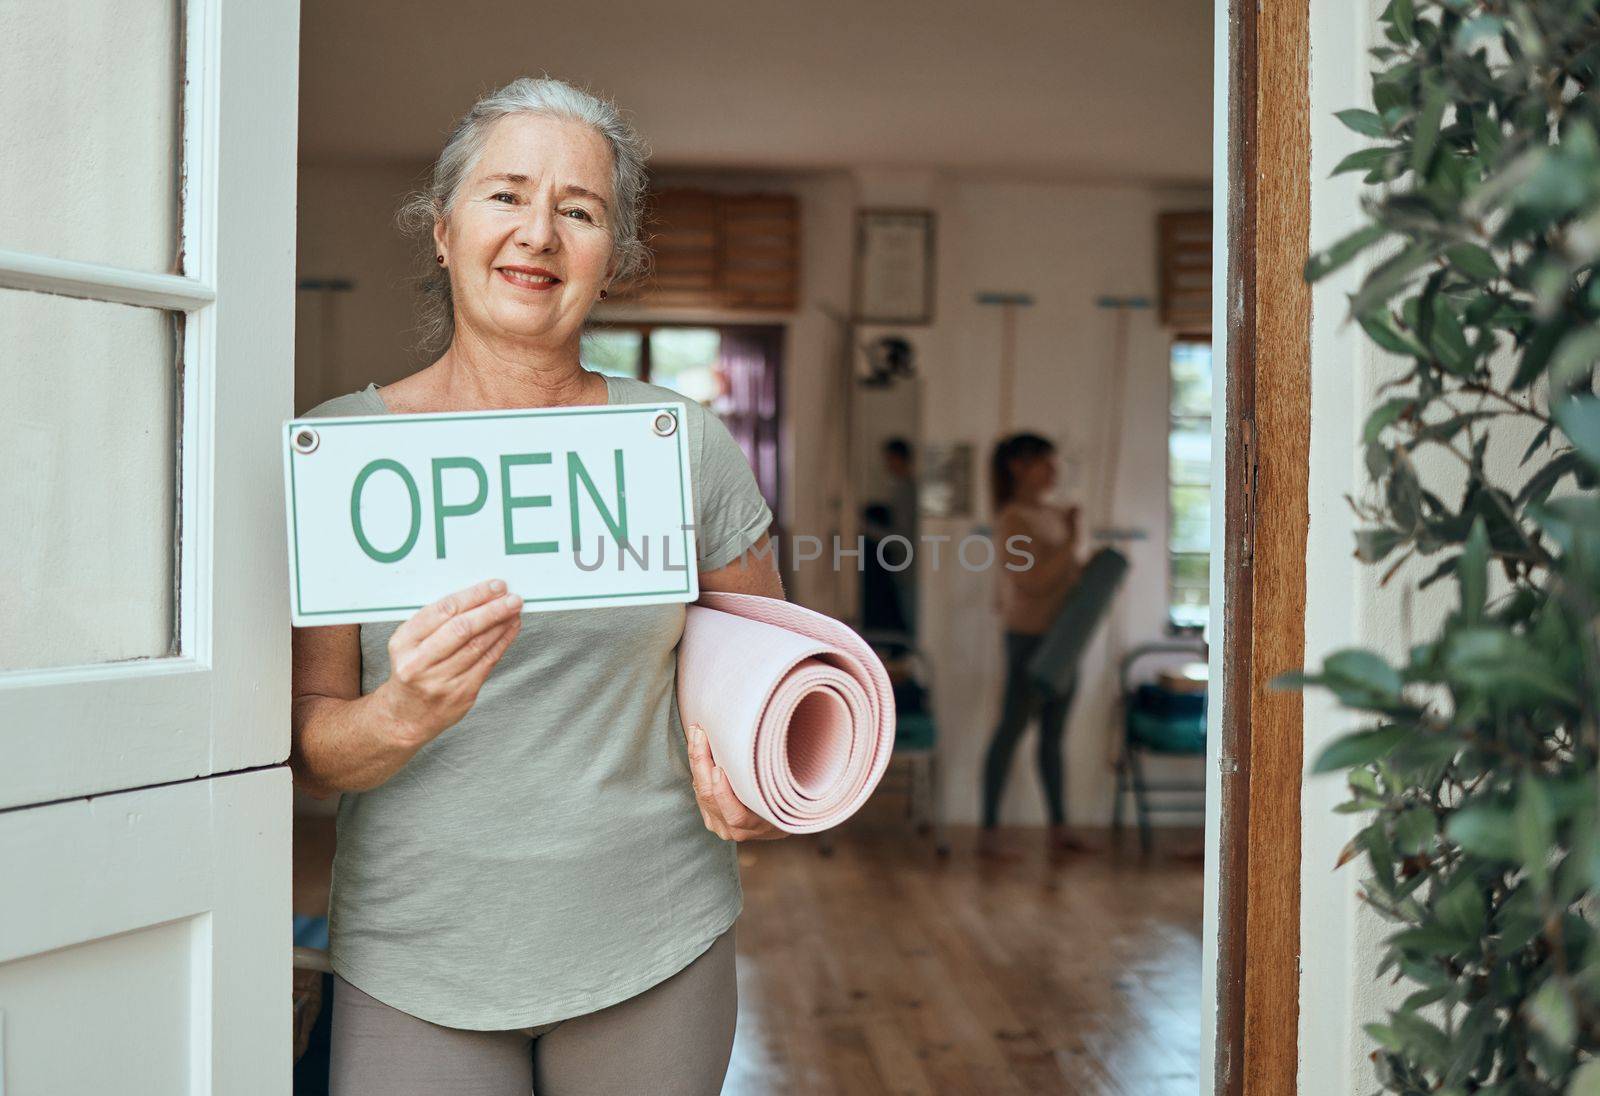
144, 700
100, 179
144, 941
212, 697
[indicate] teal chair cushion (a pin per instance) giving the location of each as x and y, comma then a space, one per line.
1173, 734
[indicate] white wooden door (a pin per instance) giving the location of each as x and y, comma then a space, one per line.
147, 195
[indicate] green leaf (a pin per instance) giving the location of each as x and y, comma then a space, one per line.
1368, 159
1446, 429
1358, 748
1380, 328
1364, 781
1389, 277
1474, 261
1389, 411
1579, 419
1461, 908
1534, 823
1539, 439
1536, 355
1574, 359
1403, 493
1384, 1036
1423, 1039
1493, 660
1538, 487
1552, 1014
1342, 251
1472, 572
1428, 939
1363, 669
1448, 340
1372, 545
1483, 830
1586, 1081
1426, 137
1405, 18
1520, 918
1364, 122
1486, 135
1414, 830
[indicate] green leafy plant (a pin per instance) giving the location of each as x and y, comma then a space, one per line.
1475, 766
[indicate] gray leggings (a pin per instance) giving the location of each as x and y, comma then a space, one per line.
673, 1039
1023, 700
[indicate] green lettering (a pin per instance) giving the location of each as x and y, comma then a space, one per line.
385, 465
510, 502
617, 522
461, 510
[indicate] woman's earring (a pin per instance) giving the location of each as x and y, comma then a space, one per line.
604, 294
440, 258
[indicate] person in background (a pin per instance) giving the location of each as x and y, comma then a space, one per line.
902, 521
1022, 473
881, 607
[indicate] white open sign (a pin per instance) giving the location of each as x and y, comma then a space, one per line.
575, 507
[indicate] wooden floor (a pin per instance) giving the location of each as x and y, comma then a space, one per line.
884, 969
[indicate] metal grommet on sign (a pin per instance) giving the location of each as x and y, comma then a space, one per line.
305, 440
666, 424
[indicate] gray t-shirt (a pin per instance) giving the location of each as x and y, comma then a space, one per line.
544, 857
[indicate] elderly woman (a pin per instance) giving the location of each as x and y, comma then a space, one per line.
536, 877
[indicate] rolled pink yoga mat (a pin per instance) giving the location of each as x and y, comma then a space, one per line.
798, 708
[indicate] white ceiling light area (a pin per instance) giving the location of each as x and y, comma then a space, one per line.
1071, 89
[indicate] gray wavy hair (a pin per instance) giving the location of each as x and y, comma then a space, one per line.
549, 98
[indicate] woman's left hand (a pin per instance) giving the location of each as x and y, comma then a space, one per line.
720, 809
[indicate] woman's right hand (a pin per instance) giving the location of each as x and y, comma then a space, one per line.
441, 656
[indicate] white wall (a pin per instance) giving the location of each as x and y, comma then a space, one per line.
1066, 244
345, 230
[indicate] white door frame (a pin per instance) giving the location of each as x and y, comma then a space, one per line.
145, 805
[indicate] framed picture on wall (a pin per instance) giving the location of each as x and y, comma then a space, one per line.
946, 489
894, 266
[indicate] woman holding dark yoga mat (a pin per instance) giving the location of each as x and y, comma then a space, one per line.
535, 880
1022, 472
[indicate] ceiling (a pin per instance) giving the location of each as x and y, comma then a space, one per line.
1072, 89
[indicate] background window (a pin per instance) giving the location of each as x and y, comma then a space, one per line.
732, 370
617, 352
1189, 485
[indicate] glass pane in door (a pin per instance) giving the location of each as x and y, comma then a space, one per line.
89, 445
90, 127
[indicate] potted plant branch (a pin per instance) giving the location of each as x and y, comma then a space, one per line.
1474, 765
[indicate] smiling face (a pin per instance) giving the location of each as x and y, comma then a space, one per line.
528, 238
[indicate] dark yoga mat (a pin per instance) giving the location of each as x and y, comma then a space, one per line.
1054, 667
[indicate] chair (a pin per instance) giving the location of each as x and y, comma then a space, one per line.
916, 738
1157, 721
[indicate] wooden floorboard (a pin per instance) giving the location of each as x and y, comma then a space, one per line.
885, 969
